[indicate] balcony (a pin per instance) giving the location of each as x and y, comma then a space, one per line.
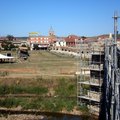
92, 82
96, 67
91, 96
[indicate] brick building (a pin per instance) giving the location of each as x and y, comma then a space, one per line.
70, 40
41, 42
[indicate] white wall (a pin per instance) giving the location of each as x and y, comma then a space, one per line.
60, 43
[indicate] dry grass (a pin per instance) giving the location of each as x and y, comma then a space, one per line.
41, 63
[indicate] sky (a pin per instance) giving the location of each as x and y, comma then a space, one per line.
78, 17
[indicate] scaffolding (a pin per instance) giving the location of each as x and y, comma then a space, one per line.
90, 75
110, 102
98, 83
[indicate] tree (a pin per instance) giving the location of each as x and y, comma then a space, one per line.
10, 37
83, 37
7, 45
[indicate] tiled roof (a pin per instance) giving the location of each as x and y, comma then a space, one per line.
103, 36
71, 38
90, 39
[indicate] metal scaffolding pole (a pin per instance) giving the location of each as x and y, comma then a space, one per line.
114, 75
111, 84
116, 78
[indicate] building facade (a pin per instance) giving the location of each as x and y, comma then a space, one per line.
41, 42
90, 76
70, 40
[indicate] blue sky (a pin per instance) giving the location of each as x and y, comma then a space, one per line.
79, 17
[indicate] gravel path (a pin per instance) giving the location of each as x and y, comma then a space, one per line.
23, 117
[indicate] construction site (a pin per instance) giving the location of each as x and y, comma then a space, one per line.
98, 76
90, 75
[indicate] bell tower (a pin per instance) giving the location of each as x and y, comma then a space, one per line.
51, 32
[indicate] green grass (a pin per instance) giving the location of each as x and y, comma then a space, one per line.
16, 89
64, 88
45, 73
11, 102
51, 104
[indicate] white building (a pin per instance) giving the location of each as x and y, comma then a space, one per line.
60, 43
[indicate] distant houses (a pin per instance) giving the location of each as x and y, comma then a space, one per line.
44, 42
9, 44
59, 42
40, 42
37, 41
70, 40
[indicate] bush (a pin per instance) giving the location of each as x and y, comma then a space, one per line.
7, 45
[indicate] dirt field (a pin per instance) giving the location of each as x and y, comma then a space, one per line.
40, 63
